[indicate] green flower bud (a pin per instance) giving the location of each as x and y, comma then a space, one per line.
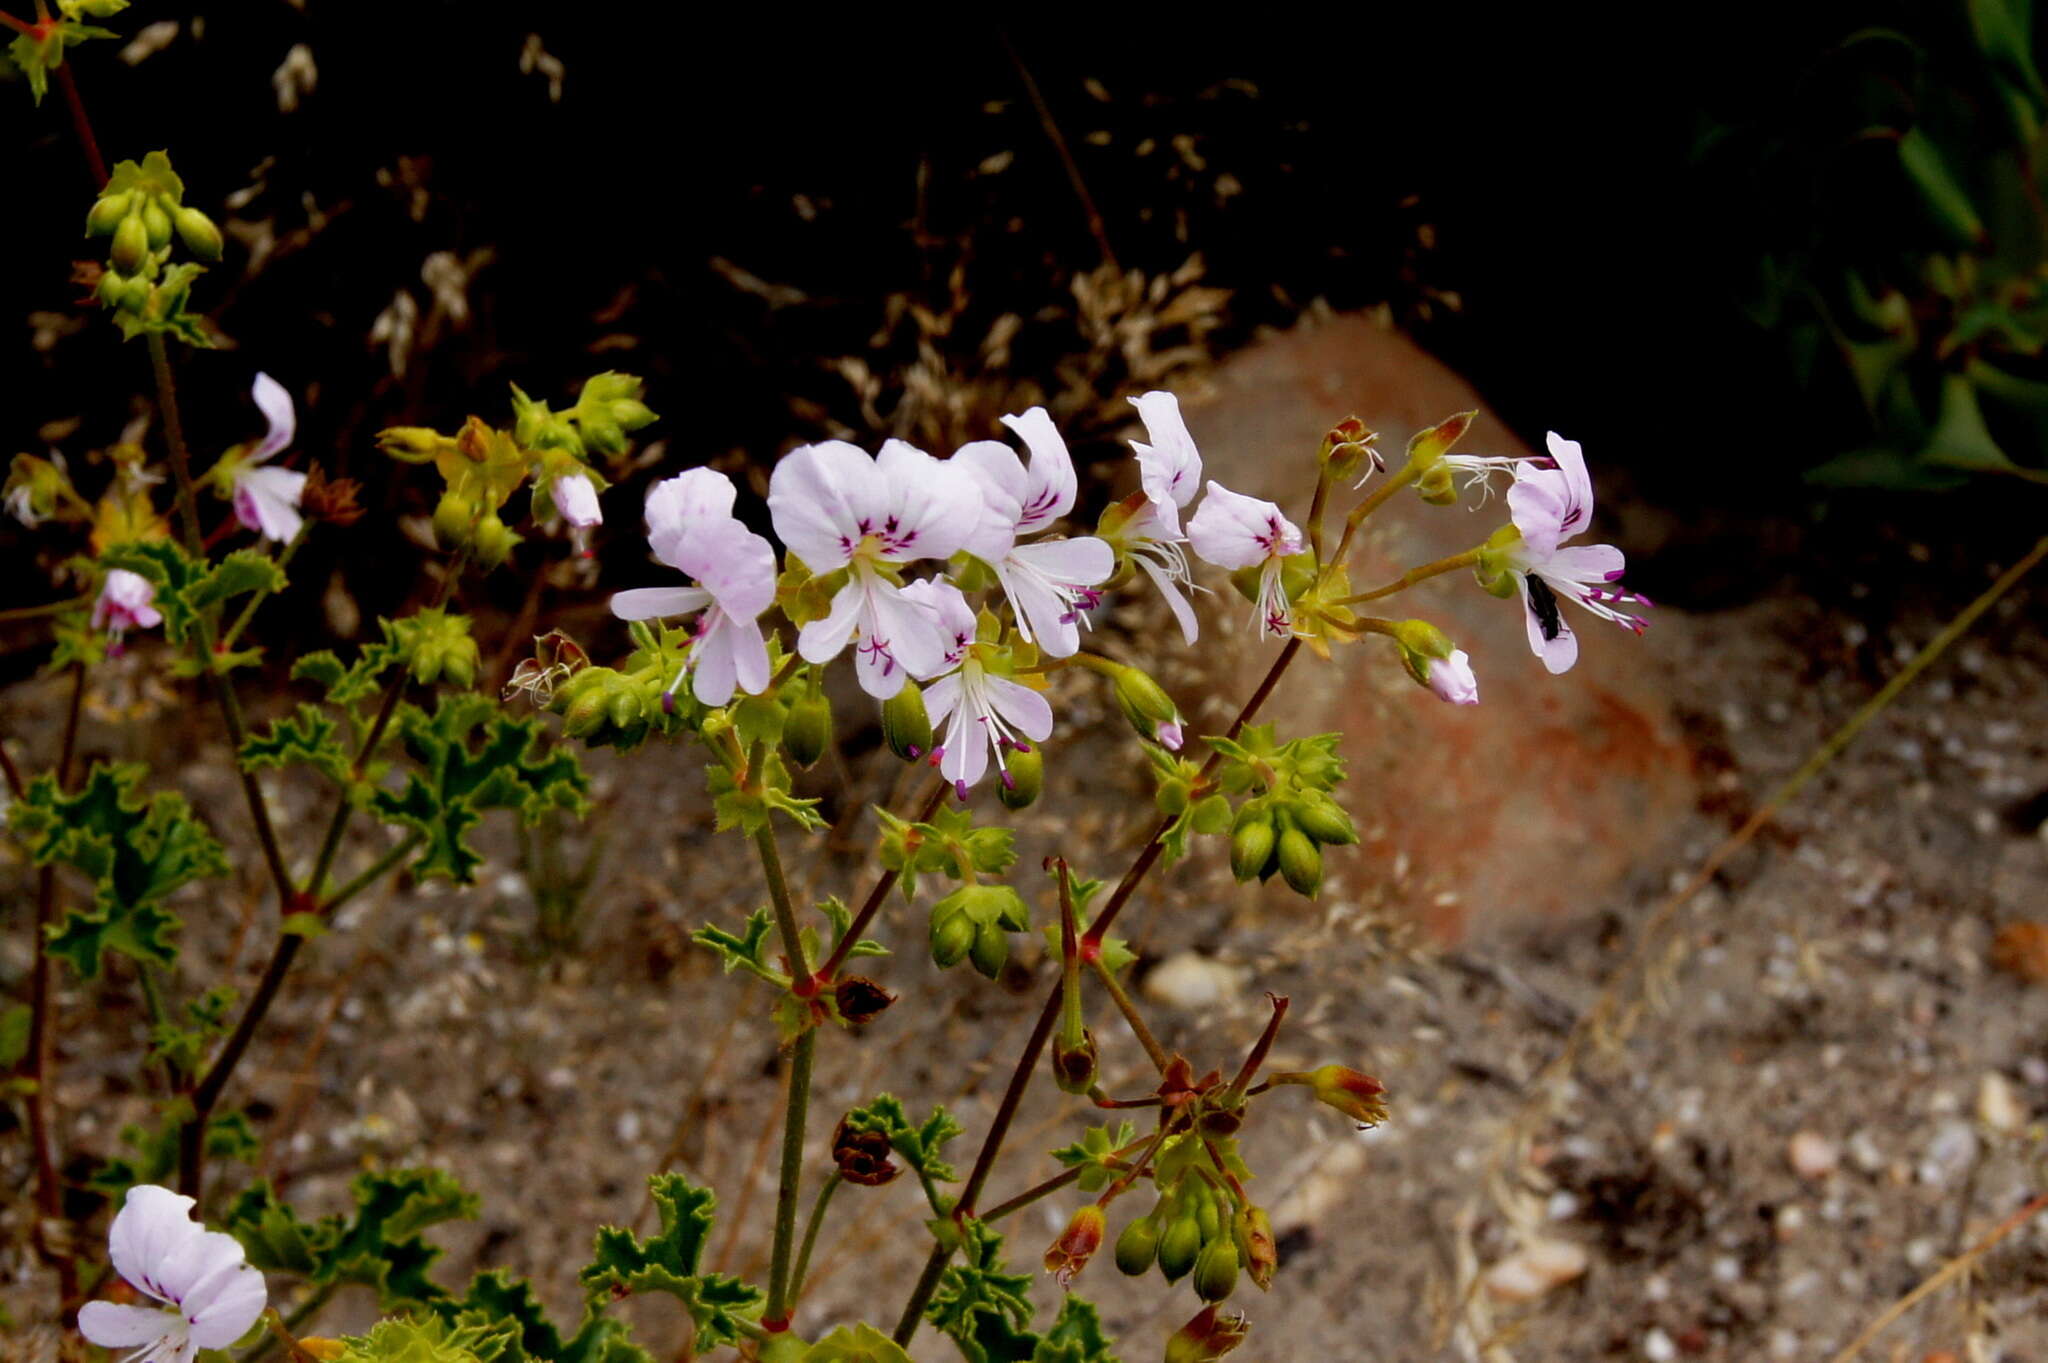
494, 541
199, 234
631, 413
1216, 1269
906, 728
1301, 861
106, 214
1138, 1247
1147, 706
807, 733
157, 223
131, 245
585, 700
1207, 1214
953, 935
1023, 777
991, 950
1180, 1245
1323, 819
454, 520
1251, 846
602, 435
135, 293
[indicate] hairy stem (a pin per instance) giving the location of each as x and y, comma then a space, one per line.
803, 1054
803, 1256
42, 1038
1373, 502
1417, 574
872, 905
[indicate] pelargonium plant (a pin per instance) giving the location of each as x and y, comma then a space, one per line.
953, 584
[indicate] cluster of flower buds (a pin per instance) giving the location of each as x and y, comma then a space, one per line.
974, 923
436, 645
141, 209
1289, 817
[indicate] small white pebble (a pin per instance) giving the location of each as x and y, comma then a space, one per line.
1865, 1154
1727, 1269
1998, 1107
1534, 1269
1658, 1348
1656, 1287
1922, 1252
1813, 1156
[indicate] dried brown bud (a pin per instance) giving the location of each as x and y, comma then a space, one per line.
863, 1157
860, 999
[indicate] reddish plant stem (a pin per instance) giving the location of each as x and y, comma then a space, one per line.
18, 25
1048, 1017
872, 905
42, 1038
87, 143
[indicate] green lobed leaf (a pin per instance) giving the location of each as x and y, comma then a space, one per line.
749, 953
308, 737
1075, 1337
1092, 1153
983, 1307
137, 851
509, 767
379, 1246
920, 1144
623, 1263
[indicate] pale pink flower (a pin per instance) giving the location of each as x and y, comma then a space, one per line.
1170, 473
575, 499
834, 507
127, 601
1452, 680
267, 498
691, 528
1549, 506
1051, 583
209, 1296
1234, 531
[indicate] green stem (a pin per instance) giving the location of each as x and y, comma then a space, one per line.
1373, 502
370, 874
803, 1256
249, 611
301, 1313
1417, 574
872, 905
47, 608
803, 1054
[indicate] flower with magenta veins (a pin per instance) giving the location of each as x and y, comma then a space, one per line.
1169, 476
1233, 531
835, 508
1550, 506
208, 1296
691, 528
983, 711
267, 498
1051, 584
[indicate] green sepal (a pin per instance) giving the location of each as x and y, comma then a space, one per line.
1091, 1154
511, 767
918, 1145
753, 810
137, 850
622, 1263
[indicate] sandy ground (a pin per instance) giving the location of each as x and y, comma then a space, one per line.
1832, 984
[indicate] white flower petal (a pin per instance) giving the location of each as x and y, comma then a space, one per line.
267, 501
816, 497
967, 746
276, 405
933, 505
195, 1266
693, 494
575, 498
656, 603
730, 561
1084, 561
1176, 601
1233, 531
1169, 466
1023, 709
941, 697
1590, 563
113, 1326
1051, 483
824, 639
152, 1225
910, 632
1559, 650
233, 1307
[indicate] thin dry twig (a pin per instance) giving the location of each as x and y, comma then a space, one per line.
1941, 1277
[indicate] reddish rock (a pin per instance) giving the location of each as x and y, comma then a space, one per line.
1537, 800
